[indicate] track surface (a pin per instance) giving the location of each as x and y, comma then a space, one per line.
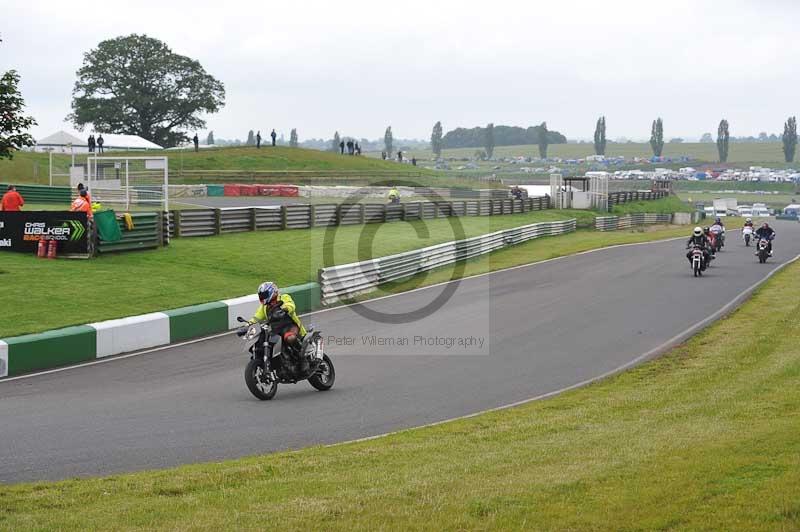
545, 327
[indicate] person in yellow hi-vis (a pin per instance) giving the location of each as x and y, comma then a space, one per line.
394, 195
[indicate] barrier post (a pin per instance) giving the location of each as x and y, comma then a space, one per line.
312, 221
284, 217
217, 222
176, 223
253, 219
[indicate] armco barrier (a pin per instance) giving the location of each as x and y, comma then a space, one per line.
614, 223
72, 345
343, 282
205, 222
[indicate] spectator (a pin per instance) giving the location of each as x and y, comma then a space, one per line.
12, 201
100, 143
83, 203
413, 161
341, 147
90, 143
273, 135
358, 149
399, 156
258, 140
383, 155
350, 147
196, 142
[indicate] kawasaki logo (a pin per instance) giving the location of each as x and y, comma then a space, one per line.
5, 242
2, 225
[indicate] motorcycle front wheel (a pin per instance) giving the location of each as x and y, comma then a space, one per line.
253, 377
325, 375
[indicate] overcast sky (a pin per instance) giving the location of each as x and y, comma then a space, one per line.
358, 66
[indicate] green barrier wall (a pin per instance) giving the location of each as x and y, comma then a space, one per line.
197, 320
51, 349
307, 296
42, 194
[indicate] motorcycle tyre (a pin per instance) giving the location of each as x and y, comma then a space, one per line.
250, 380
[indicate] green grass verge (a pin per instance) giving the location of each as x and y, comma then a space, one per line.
668, 205
704, 437
197, 270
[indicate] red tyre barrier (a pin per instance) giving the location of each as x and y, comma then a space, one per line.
278, 190
248, 190
232, 190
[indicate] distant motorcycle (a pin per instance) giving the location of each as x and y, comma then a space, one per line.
270, 365
747, 235
719, 238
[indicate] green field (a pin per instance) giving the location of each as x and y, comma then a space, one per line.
197, 270
703, 438
740, 153
279, 164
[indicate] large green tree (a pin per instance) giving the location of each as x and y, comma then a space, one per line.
293, 138
137, 85
436, 139
14, 125
489, 144
251, 138
388, 141
723, 139
543, 140
789, 139
657, 137
600, 136
210, 139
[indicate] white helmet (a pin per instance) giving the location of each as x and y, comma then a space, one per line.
698, 231
749, 220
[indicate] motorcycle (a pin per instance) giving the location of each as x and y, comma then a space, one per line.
698, 261
763, 250
719, 239
270, 365
747, 235
394, 200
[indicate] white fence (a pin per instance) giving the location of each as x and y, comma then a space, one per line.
345, 281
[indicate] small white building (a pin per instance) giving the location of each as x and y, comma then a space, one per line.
74, 142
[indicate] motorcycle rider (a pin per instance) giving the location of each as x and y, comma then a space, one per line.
699, 238
394, 195
719, 230
710, 238
767, 233
281, 312
748, 222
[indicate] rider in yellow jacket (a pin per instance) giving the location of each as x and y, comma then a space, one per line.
281, 312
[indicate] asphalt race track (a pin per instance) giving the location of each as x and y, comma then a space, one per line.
544, 327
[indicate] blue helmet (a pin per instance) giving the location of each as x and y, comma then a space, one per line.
267, 292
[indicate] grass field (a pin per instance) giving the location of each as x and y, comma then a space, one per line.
197, 270
296, 165
740, 153
704, 437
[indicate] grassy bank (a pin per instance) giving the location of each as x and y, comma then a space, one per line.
702, 438
670, 204
279, 164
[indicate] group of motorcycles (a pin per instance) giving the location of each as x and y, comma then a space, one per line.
716, 236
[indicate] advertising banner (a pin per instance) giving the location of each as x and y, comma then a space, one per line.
22, 231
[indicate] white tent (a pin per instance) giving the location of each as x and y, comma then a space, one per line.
64, 141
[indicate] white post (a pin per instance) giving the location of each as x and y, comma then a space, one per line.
166, 185
51, 166
127, 188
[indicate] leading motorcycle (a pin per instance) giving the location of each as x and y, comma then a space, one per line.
762, 250
272, 363
698, 261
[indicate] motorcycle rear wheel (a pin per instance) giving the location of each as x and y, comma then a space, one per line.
252, 377
325, 375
